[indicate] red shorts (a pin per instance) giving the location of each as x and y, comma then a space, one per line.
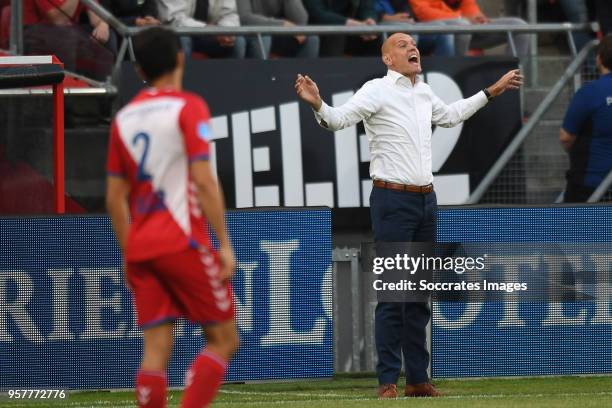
183, 284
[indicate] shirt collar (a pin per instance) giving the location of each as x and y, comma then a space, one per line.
151, 90
395, 76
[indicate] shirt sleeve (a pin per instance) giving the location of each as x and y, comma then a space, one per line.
45, 5
195, 124
469, 8
227, 14
359, 107
149, 8
320, 13
577, 113
250, 16
365, 10
444, 115
426, 10
114, 164
295, 12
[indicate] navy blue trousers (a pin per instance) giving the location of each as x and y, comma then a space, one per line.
400, 328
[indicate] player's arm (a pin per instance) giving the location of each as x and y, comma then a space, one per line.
567, 139
578, 112
212, 203
194, 122
117, 192
117, 187
444, 115
360, 106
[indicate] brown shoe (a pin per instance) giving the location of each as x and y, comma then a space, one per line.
421, 390
387, 391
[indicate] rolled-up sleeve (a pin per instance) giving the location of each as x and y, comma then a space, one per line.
444, 115
360, 106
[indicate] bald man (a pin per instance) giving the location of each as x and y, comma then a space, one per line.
398, 112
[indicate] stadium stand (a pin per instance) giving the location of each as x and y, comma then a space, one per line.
534, 175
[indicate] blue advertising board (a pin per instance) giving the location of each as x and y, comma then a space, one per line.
66, 320
511, 338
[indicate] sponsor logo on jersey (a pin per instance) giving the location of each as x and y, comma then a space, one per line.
204, 131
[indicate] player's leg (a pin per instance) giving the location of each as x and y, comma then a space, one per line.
151, 378
222, 339
156, 313
157, 348
204, 378
192, 279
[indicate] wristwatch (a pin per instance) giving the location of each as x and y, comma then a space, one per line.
487, 94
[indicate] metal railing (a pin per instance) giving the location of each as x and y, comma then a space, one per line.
602, 189
526, 130
16, 29
127, 32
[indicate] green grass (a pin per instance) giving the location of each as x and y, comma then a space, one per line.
356, 391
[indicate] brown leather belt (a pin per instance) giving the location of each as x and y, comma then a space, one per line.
404, 187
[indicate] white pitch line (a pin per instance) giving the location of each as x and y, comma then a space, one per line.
283, 402
344, 398
453, 397
283, 393
122, 403
567, 394
466, 396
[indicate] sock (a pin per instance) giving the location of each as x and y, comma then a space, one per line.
151, 389
203, 380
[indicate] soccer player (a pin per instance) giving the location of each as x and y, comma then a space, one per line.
160, 177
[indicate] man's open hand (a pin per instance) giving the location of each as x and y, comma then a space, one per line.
307, 90
511, 80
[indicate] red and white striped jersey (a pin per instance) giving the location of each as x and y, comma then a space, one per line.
153, 140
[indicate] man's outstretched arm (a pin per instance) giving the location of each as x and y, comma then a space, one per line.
359, 107
444, 115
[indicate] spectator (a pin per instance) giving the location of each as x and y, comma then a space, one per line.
205, 13
138, 13
287, 13
344, 12
466, 12
587, 130
399, 12
87, 48
65, 13
576, 11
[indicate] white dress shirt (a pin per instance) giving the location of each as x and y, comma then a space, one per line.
398, 118
180, 13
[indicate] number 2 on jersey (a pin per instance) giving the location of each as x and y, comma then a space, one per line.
142, 175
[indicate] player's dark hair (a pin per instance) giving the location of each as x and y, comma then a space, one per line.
156, 51
605, 51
